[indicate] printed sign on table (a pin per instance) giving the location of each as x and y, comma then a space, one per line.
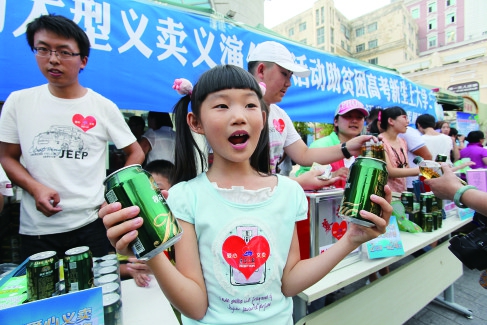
81, 308
388, 244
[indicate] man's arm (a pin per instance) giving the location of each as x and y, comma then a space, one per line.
423, 152
47, 199
304, 156
134, 154
145, 145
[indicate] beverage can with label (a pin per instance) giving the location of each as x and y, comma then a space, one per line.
132, 185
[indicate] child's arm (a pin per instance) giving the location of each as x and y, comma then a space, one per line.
301, 274
184, 286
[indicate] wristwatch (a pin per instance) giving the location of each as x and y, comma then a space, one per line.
345, 151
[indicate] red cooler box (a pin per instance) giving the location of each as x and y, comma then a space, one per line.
324, 226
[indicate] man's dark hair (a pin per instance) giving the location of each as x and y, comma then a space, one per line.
60, 26
162, 167
426, 121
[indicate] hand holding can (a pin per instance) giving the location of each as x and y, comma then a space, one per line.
132, 185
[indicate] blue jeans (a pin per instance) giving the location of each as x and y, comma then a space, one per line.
93, 235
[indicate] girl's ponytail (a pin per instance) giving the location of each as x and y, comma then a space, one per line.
184, 156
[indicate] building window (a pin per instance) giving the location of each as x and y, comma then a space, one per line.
373, 60
303, 41
360, 48
372, 27
450, 18
372, 44
415, 13
450, 3
332, 49
302, 26
432, 41
343, 44
432, 7
332, 35
359, 31
451, 36
345, 31
322, 15
317, 17
320, 35
432, 24
291, 31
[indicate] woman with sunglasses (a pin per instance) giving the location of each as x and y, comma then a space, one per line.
393, 121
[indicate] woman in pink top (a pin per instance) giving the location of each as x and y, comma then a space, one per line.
393, 121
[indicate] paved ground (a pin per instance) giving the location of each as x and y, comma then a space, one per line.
467, 293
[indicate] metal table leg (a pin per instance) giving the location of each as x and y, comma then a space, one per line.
448, 301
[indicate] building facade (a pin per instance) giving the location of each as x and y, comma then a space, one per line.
385, 37
440, 43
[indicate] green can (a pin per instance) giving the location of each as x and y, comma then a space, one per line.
407, 199
107, 278
441, 158
426, 201
110, 287
112, 309
434, 204
132, 185
427, 222
367, 176
439, 219
42, 272
108, 263
78, 269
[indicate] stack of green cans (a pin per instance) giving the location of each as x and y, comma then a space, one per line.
112, 309
107, 276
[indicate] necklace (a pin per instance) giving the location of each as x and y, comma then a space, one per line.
400, 163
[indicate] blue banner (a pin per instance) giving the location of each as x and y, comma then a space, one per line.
140, 47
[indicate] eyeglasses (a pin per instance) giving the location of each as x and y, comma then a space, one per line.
62, 55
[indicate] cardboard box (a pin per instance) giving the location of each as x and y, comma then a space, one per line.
324, 227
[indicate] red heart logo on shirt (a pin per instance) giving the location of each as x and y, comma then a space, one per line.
279, 125
84, 123
339, 229
246, 257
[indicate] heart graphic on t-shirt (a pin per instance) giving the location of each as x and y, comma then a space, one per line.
279, 125
84, 123
246, 257
339, 229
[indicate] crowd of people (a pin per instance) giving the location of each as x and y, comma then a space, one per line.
241, 192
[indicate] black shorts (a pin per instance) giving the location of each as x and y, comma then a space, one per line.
93, 235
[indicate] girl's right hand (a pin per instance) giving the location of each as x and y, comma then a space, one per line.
121, 225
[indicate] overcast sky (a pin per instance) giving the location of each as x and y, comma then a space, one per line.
277, 11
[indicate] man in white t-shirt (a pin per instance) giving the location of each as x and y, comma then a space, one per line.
273, 64
437, 143
416, 147
61, 130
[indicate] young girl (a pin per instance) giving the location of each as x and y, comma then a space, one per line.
237, 261
392, 121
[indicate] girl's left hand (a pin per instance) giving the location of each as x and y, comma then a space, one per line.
360, 234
